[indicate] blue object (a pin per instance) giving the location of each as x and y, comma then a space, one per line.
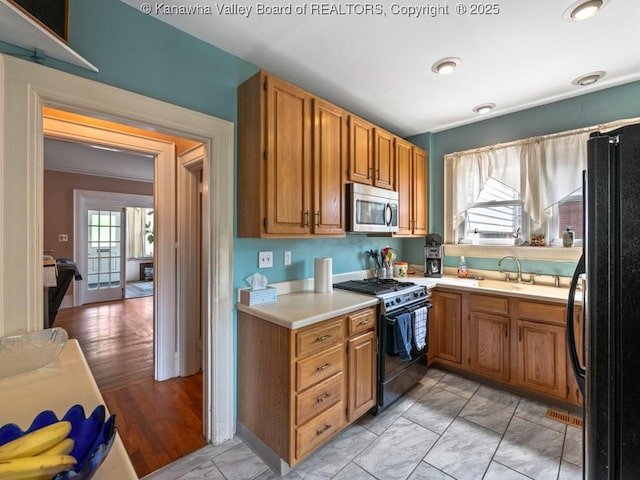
92, 436
403, 336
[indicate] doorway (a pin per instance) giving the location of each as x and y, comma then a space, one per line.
26, 88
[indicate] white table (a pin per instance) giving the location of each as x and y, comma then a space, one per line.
64, 382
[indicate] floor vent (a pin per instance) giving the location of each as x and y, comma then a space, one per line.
564, 417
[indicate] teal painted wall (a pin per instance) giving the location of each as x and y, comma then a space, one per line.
141, 54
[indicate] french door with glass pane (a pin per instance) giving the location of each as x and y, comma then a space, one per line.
105, 261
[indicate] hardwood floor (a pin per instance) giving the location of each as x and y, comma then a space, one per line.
158, 422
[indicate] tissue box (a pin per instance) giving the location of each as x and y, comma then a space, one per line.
256, 297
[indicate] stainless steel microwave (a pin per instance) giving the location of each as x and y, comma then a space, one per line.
371, 209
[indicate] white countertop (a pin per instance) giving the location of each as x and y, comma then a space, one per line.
296, 310
64, 382
496, 287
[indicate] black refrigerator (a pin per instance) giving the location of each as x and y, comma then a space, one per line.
610, 273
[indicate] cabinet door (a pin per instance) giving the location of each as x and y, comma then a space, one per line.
362, 375
330, 155
384, 163
360, 151
404, 181
420, 192
489, 345
542, 358
447, 326
288, 158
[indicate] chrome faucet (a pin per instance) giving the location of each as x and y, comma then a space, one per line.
507, 277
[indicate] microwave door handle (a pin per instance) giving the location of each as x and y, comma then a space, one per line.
388, 218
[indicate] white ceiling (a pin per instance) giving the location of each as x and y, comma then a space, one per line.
72, 157
380, 66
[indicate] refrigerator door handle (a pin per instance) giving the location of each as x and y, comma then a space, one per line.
580, 372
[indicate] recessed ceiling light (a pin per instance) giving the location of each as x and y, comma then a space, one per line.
484, 108
583, 9
446, 65
589, 78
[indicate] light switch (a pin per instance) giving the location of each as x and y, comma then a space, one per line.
287, 258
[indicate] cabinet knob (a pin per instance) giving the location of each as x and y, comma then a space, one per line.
306, 219
318, 218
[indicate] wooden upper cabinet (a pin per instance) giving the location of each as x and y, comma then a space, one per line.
420, 192
404, 180
329, 160
288, 158
274, 158
360, 150
411, 184
384, 155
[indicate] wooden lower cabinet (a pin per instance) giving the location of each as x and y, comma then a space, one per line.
518, 342
489, 352
362, 375
542, 358
298, 388
445, 329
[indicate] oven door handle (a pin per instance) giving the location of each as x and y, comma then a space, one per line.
391, 317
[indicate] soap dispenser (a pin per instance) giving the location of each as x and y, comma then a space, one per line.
462, 268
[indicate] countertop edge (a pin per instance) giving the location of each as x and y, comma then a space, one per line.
268, 311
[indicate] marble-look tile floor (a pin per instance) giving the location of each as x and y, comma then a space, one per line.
445, 428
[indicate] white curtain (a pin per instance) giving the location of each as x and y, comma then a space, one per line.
543, 170
135, 224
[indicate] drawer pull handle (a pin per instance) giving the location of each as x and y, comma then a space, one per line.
323, 367
364, 322
322, 398
322, 338
322, 430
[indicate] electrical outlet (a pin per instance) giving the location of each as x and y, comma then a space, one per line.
287, 258
265, 259
63, 237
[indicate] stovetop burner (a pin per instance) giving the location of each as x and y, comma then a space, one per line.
374, 286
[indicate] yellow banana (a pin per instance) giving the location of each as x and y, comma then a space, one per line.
40, 466
35, 442
63, 447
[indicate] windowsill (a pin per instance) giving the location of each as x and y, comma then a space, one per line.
529, 253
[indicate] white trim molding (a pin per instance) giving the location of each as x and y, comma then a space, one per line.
25, 88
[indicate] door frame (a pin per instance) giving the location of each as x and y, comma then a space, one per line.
191, 295
164, 200
25, 88
94, 199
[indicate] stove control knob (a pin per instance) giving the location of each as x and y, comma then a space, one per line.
416, 294
398, 300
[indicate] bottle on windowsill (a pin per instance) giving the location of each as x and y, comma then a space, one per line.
568, 237
462, 268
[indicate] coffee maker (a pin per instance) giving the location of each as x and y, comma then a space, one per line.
433, 253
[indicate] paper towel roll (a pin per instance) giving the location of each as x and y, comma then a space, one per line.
323, 276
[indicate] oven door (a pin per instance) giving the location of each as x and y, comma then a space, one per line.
394, 361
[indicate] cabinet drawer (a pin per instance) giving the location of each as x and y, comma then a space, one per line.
313, 339
317, 399
361, 321
484, 303
319, 430
316, 368
542, 312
